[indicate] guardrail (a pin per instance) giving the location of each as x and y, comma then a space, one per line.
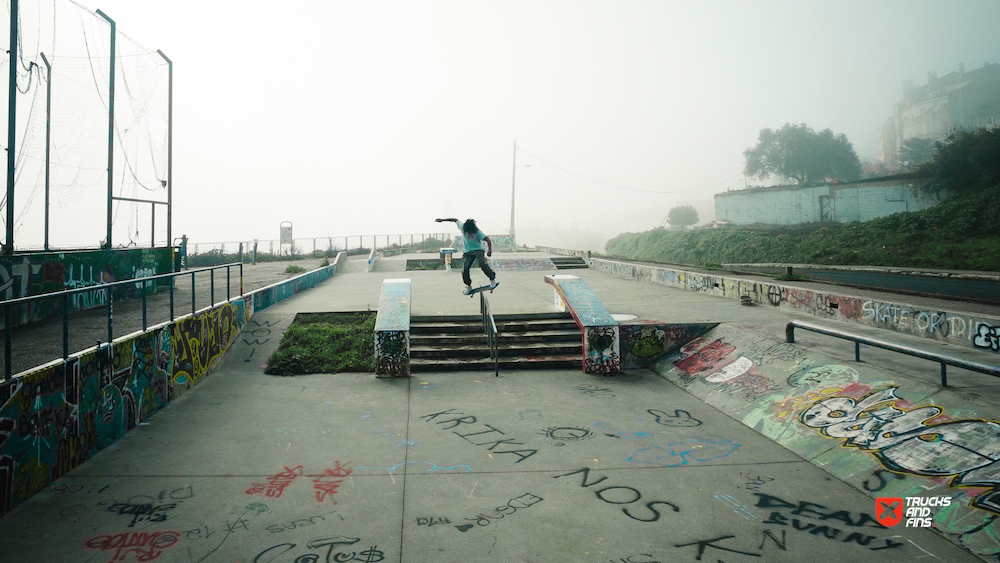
490, 326
944, 359
142, 283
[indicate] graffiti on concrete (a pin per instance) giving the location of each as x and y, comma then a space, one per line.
949, 326
799, 513
145, 545
987, 336
716, 363
622, 495
392, 353
199, 341
683, 453
601, 350
58, 416
908, 440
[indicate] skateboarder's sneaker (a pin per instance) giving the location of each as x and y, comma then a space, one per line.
468, 290
494, 284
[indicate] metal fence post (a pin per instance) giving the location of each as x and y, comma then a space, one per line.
7, 345
192, 293
65, 325
111, 315
211, 287
172, 280
144, 324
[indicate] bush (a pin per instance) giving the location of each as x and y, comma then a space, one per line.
293, 269
965, 159
959, 233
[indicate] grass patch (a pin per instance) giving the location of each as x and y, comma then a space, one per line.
326, 343
293, 269
960, 233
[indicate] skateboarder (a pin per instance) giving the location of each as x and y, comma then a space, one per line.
473, 239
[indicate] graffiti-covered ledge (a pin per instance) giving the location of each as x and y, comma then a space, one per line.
975, 331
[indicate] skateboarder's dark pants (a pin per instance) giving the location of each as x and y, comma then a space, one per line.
479, 257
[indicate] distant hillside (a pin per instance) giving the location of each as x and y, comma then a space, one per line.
961, 233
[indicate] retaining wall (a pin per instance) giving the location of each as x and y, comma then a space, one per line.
975, 331
24, 275
58, 415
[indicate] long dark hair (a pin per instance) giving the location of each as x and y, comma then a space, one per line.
470, 227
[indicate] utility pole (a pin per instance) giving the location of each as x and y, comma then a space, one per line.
513, 182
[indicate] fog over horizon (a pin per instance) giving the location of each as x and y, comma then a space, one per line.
365, 118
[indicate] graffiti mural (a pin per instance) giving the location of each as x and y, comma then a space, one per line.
36, 274
948, 326
909, 440
717, 363
392, 353
643, 343
57, 417
987, 336
199, 341
600, 353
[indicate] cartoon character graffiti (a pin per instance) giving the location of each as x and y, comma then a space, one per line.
110, 416
648, 342
904, 440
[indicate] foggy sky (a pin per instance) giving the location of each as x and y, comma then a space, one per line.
375, 117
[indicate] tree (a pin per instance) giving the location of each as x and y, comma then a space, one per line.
873, 169
798, 153
917, 151
965, 159
682, 216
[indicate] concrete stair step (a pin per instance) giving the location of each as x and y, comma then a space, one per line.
565, 361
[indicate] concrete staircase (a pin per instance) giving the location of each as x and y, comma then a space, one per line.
526, 341
569, 262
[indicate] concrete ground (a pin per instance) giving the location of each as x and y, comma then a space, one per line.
541, 466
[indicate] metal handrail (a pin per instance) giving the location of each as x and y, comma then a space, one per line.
944, 359
490, 327
65, 295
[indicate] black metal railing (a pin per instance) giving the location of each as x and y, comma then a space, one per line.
141, 283
490, 327
943, 359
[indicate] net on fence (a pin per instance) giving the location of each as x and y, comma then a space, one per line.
74, 85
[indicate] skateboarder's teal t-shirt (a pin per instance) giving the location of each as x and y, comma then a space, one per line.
474, 242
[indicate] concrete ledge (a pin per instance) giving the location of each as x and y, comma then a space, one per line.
392, 329
601, 347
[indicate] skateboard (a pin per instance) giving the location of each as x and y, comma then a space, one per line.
481, 288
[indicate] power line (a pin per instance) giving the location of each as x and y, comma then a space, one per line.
570, 172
